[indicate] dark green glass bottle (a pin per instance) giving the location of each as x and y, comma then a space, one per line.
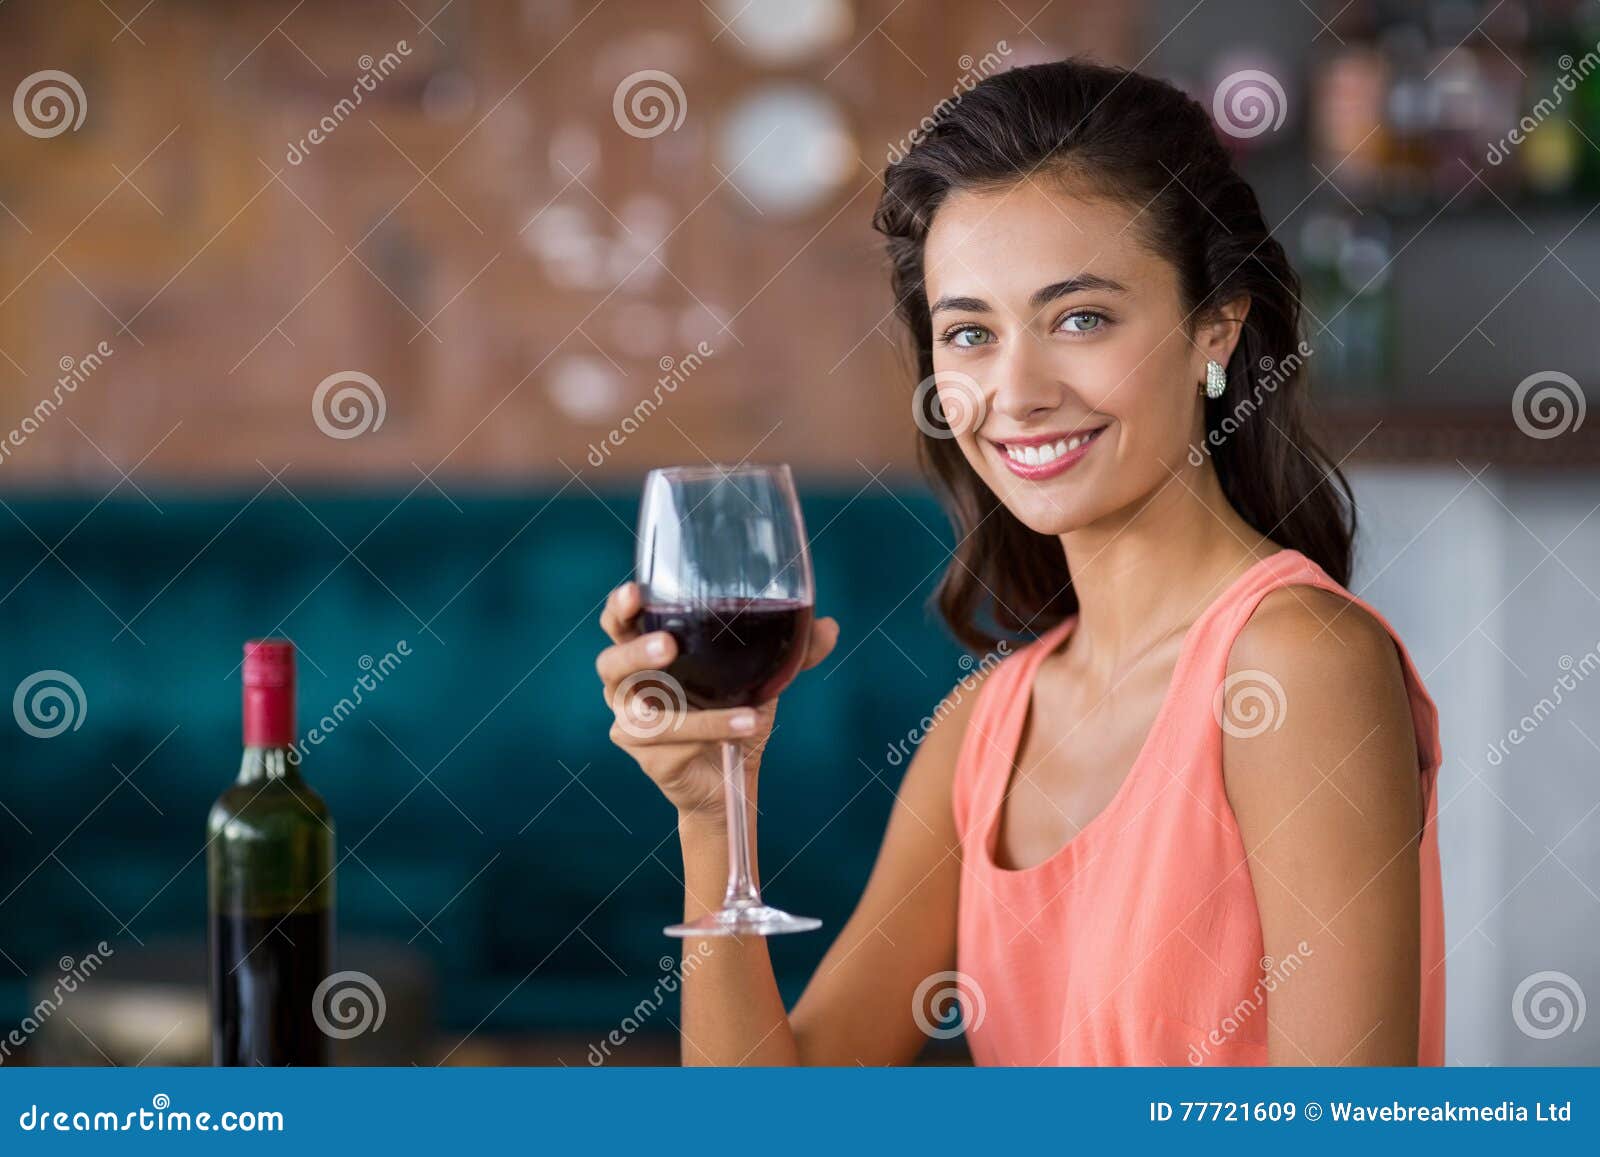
270, 865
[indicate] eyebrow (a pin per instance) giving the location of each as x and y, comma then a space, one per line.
1082, 283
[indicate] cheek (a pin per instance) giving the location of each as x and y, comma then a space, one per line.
1138, 382
973, 453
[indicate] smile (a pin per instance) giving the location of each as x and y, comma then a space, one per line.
1037, 459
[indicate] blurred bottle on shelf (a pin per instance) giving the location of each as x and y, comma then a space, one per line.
1349, 135
1344, 264
1580, 65
1414, 101
1548, 156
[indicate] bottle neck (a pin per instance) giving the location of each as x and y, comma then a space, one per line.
269, 714
263, 763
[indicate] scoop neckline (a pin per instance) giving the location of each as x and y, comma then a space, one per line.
1047, 645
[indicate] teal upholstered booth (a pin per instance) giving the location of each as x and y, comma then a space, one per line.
481, 811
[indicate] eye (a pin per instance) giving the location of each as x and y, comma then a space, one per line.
1083, 321
967, 336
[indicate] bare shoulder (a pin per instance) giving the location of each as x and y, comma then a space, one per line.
1328, 675
1307, 631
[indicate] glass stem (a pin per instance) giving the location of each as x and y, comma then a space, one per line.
742, 890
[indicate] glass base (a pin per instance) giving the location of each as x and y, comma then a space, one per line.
756, 920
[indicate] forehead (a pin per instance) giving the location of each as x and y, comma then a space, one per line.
1005, 243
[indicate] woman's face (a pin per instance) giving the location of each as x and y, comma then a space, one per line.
1052, 321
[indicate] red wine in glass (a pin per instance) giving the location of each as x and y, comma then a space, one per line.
724, 568
733, 652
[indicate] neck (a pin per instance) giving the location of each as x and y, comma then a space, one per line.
1151, 569
264, 763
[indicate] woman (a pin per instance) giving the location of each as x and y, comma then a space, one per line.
1191, 821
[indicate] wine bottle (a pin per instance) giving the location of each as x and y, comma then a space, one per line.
270, 869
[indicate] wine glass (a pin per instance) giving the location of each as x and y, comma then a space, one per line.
723, 567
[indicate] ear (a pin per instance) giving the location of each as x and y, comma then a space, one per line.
1215, 339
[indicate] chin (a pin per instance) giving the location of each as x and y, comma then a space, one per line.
1039, 515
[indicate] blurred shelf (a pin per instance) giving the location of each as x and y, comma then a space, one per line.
1433, 434
1483, 208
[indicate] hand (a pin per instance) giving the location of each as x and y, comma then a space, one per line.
678, 749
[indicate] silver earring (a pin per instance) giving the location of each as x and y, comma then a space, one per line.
1216, 379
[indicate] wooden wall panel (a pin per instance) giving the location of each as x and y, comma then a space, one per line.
230, 282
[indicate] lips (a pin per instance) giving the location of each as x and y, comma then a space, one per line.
1046, 456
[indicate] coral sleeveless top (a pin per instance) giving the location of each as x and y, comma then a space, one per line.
1139, 942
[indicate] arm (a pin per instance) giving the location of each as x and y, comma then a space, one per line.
858, 1006
1329, 807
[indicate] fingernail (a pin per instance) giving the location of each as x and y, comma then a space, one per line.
743, 721
657, 648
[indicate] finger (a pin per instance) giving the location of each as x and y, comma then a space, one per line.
617, 617
649, 652
644, 721
824, 636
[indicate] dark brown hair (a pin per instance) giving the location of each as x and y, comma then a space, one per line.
1144, 142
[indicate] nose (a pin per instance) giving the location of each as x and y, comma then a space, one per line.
1021, 383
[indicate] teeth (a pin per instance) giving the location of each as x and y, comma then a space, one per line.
1042, 455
